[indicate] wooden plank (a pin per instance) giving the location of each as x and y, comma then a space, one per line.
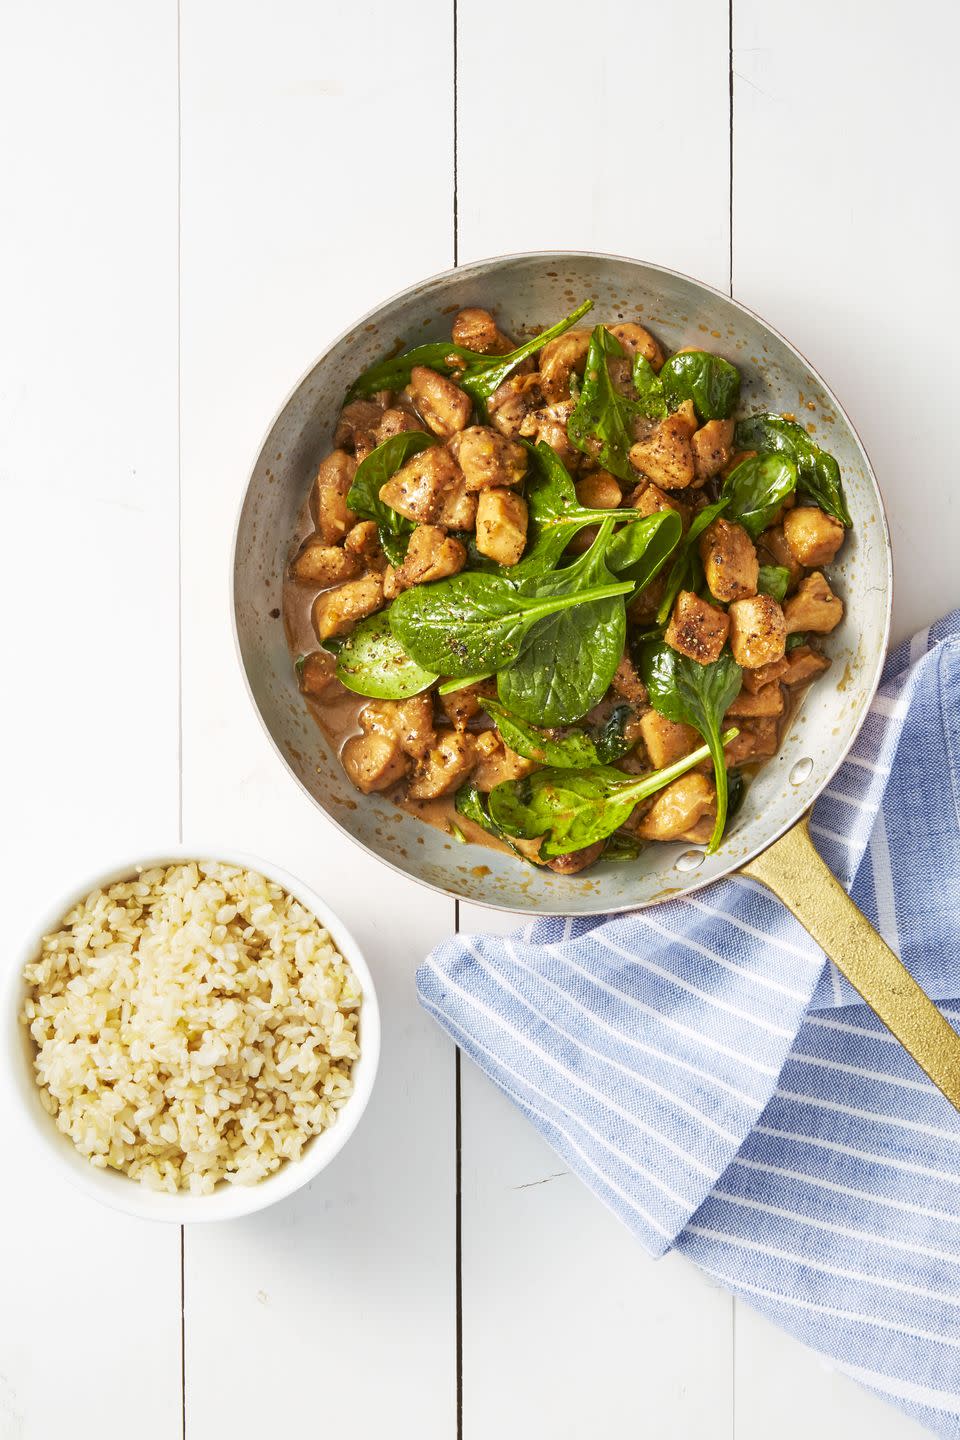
88, 586
298, 214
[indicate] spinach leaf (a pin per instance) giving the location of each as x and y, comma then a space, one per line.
572, 751
649, 387
757, 488
682, 689
371, 661
363, 497
622, 847
555, 514
737, 785
611, 738
797, 639
478, 374
574, 808
471, 803
818, 474
472, 624
601, 424
711, 382
567, 660
640, 550
773, 580
683, 570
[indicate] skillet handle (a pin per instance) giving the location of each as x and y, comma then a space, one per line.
793, 870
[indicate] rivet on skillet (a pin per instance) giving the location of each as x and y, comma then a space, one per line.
801, 771
689, 860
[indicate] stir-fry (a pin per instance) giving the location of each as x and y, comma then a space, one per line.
554, 595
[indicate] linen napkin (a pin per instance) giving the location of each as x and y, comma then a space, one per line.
726, 1093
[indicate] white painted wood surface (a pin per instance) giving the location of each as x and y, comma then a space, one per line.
194, 205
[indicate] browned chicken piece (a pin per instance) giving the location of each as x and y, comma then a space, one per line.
803, 664
314, 672
319, 564
582, 541
756, 680
772, 549
667, 740
501, 525
635, 340
678, 808
549, 424
697, 629
627, 683
509, 406
331, 514
374, 761
458, 506
711, 448
396, 421
737, 458
666, 457
432, 554
487, 458
476, 329
336, 611
576, 860
357, 427
444, 767
445, 408
409, 722
642, 609
460, 706
559, 359
416, 490
649, 499
363, 540
758, 634
749, 705
392, 584
757, 740
599, 490
813, 536
497, 762
814, 607
729, 560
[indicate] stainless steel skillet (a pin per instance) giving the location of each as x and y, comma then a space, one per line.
769, 838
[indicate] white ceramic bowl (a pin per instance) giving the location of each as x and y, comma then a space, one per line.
38, 1142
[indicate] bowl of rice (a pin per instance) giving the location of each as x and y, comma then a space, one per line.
192, 1039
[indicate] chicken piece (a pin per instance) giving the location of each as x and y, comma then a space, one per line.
336, 611
445, 766
749, 704
315, 672
559, 359
373, 762
666, 457
417, 488
772, 549
501, 525
497, 762
757, 680
319, 564
460, 706
599, 490
758, 634
649, 499
814, 607
667, 740
757, 740
458, 506
697, 629
392, 584
635, 340
729, 560
627, 683
476, 329
409, 722
802, 664
814, 536
363, 541
357, 426
549, 424
432, 554
737, 458
678, 808
576, 860
444, 406
642, 609
328, 504
711, 448
487, 458
509, 406
396, 421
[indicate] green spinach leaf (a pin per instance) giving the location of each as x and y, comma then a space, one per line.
555, 513
757, 488
773, 580
571, 751
797, 639
471, 803
818, 474
711, 382
622, 847
649, 387
371, 661
611, 738
639, 550
375, 470
683, 571
601, 424
682, 689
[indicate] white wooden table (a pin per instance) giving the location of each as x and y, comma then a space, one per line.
194, 204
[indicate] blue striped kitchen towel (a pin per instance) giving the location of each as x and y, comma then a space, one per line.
726, 1093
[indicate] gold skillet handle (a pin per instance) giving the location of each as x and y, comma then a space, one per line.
793, 870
